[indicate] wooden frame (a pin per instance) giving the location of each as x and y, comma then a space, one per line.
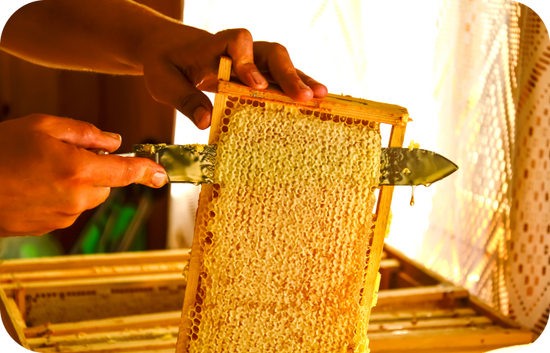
88, 283
434, 316
12, 319
343, 107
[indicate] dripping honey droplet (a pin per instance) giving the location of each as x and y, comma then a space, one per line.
412, 195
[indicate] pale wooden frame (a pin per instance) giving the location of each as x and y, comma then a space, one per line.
443, 317
337, 105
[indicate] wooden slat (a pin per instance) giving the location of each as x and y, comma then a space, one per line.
382, 213
170, 318
83, 261
496, 316
404, 280
18, 318
338, 105
137, 281
390, 264
12, 319
429, 323
94, 272
224, 73
439, 339
192, 278
377, 317
149, 346
157, 333
421, 294
388, 268
473, 349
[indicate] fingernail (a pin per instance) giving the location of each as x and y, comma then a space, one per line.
200, 114
159, 179
302, 85
258, 78
112, 135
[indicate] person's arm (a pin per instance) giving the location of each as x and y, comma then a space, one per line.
123, 37
98, 35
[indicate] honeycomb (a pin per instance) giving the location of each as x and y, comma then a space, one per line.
285, 232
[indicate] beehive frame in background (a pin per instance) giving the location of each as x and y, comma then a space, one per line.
350, 110
437, 316
64, 290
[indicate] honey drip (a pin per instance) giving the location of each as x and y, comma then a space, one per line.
412, 195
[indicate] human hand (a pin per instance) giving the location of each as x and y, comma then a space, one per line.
49, 177
179, 61
129, 38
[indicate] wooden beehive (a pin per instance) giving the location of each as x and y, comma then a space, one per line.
343, 110
62, 290
420, 311
417, 311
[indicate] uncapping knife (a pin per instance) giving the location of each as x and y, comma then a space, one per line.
196, 164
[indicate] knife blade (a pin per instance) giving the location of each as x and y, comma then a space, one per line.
196, 164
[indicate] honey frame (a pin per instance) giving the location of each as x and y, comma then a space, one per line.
332, 105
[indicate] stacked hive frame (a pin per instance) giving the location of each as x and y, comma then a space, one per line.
201, 310
39, 293
417, 311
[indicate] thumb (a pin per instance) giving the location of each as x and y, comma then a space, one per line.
116, 171
169, 85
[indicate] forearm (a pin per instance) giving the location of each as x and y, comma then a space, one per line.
123, 37
96, 35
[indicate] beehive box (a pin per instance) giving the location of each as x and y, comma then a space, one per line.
420, 311
417, 312
287, 247
62, 290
